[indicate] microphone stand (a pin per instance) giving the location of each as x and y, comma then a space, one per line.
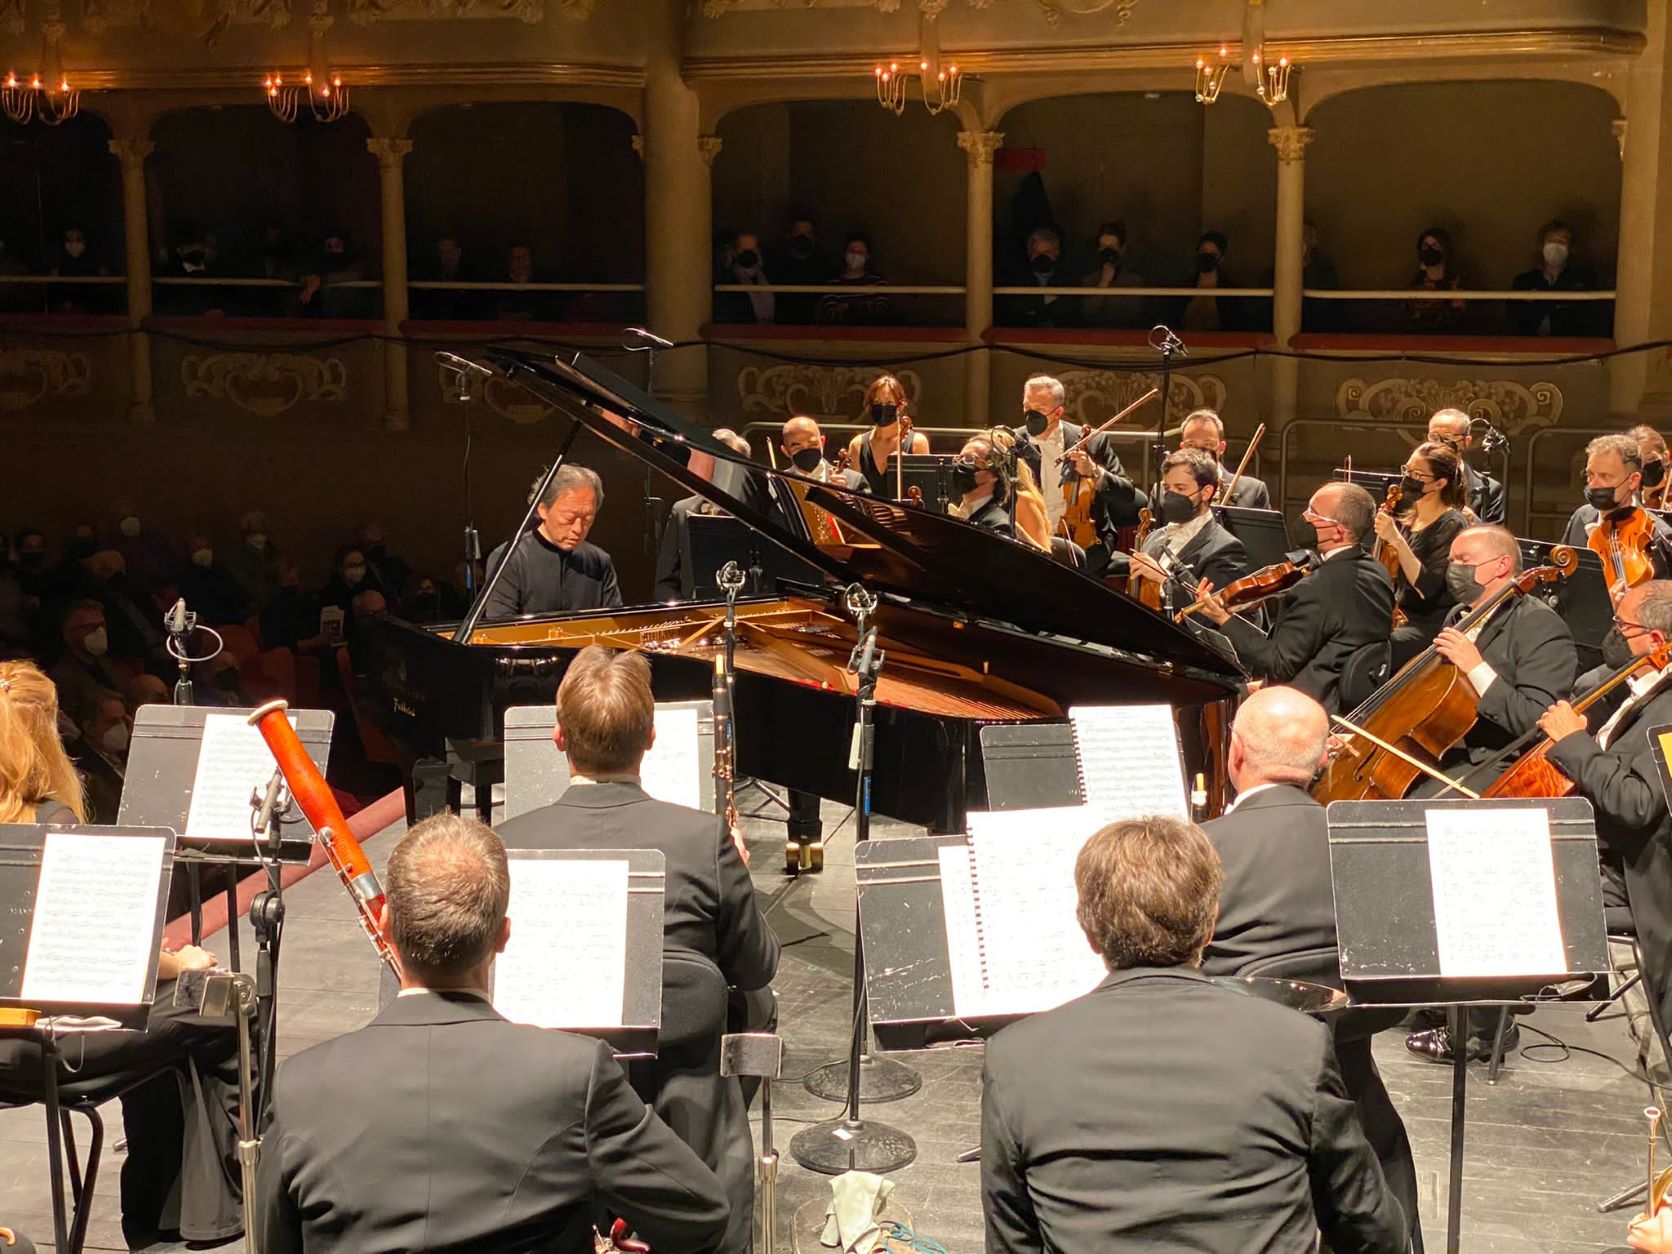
270, 805
648, 344
180, 623
465, 372
1169, 345
849, 1143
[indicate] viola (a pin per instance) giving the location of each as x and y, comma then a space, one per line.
1079, 493
1622, 540
1252, 589
1137, 586
1423, 711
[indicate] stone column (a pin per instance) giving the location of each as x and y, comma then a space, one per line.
1290, 142
391, 154
979, 146
132, 154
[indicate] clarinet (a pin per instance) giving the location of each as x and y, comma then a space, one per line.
314, 796
730, 579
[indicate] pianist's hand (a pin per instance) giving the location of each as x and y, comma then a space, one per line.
737, 843
1653, 1235
1213, 609
1457, 649
1559, 721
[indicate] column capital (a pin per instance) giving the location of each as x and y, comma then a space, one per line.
980, 145
390, 153
709, 146
130, 151
1290, 141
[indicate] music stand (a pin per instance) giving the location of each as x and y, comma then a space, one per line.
1030, 766
1581, 599
1264, 532
713, 540
1389, 925
929, 473
537, 771
125, 908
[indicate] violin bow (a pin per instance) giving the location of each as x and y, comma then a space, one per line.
1143, 400
1259, 434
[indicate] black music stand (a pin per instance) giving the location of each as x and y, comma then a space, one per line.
1030, 766
713, 540
537, 772
641, 1012
22, 847
1581, 599
930, 474
1264, 533
1389, 936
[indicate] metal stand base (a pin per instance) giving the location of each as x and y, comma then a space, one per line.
880, 1080
849, 1145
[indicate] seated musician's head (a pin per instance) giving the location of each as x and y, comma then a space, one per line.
1341, 514
1451, 428
1148, 893
1613, 472
1644, 619
733, 441
446, 889
1280, 736
802, 444
1042, 405
1189, 482
981, 471
606, 715
1483, 560
34, 769
1203, 429
569, 505
885, 402
1434, 469
1651, 447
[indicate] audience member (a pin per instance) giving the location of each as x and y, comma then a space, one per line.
1318, 273
730, 308
799, 262
211, 591
1121, 1120
1435, 273
447, 266
149, 555
336, 263
1206, 311
290, 618
748, 267
350, 575
1556, 272
858, 310
1044, 269
100, 752
389, 572
1112, 270
84, 674
255, 562
134, 631
519, 270
75, 260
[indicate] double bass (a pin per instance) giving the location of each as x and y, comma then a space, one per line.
1421, 713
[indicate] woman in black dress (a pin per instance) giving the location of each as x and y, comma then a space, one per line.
869, 451
1433, 493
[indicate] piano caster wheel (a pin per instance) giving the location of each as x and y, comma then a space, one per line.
814, 857
803, 859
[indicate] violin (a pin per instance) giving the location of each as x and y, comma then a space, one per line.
1622, 539
1079, 493
1423, 711
1252, 589
1137, 586
1387, 553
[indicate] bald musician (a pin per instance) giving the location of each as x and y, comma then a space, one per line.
802, 444
1485, 499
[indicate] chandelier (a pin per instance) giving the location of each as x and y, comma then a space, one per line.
36, 101
327, 99
1271, 79
1210, 76
942, 86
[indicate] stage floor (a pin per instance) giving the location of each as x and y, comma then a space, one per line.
1552, 1138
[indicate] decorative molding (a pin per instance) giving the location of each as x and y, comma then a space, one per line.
709, 146
264, 384
29, 375
529, 12
1095, 395
1291, 141
835, 393
207, 19
416, 74
11, 17
980, 145
130, 152
1054, 9
390, 153
1512, 407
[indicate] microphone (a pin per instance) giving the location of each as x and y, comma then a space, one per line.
1162, 339
463, 372
179, 620
646, 340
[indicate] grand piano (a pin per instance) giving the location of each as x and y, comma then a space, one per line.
976, 629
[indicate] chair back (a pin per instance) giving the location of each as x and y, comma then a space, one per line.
1365, 670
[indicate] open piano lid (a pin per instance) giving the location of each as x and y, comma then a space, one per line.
925, 557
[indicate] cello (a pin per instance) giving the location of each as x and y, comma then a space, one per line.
1422, 712
1079, 493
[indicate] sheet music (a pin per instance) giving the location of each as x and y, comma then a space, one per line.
672, 770
93, 936
233, 762
1494, 892
1129, 760
1022, 862
963, 938
566, 964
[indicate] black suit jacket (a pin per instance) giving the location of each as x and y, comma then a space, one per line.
994, 517
440, 1126
1530, 647
1191, 1143
1486, 496
1277, 897
1623, 784
709, 908
671, 556
1250, 493
1344, 605
1213, 553
1116, 503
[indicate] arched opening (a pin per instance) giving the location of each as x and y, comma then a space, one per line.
60, 179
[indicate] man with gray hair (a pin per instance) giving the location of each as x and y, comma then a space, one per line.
1453, 428
552, 569
1044, 441
487, 1134
1277, 897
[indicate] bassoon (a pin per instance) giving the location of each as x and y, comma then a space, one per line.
315, 798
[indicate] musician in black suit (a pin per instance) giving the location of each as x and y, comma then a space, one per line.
1126, 1119
1203, 429
982, 478
1613, 486
1043, 441
1190, 546
1343, 606
1278, 898
442, 1126
802, 444
672, 555
1452, 428
711, 921
1615, 770
552, 569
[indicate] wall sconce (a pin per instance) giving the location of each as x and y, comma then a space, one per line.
36, 101
1271, 79
1210, 76
328, 102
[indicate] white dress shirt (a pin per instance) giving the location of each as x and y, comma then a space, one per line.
1050, 474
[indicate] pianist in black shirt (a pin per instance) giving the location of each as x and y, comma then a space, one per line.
552, 569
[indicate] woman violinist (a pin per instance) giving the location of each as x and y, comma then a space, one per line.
1433, 491
869, 451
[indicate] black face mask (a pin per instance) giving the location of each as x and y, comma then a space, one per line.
83, 546
1462, 584
1601, 499
1410, 487
807, 460
1043, 263
748, 260
1616, 650
426, 603
376, 551
1207, 263
1035, 422
801, 247
883, 415
1430, 256
1110, 256
1176, 507
30, 559
1653, 473
963, 478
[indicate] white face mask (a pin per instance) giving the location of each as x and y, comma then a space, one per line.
115, 740
1555, 253
353, 574
75, 247
129, 526
204, 558
97, 642
257, 540
856, 261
